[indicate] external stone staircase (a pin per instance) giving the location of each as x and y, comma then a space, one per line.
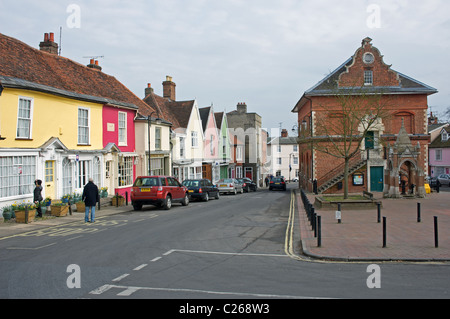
339, 175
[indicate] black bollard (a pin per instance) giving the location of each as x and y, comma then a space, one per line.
379, 213
384, 232
436, 237
126, 198
319, 231
418, 213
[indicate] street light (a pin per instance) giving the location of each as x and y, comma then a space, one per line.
149, 121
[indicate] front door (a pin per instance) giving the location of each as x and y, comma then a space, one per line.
376, 179
50, 179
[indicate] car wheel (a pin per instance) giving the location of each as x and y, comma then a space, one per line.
206, 198
242, 191
217, 195
235, 191
168, 202
185, 201
137, 206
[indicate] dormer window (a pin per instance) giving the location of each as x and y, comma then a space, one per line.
368, 77
444, 136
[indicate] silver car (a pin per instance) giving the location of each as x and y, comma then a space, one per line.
444, 179
230, 186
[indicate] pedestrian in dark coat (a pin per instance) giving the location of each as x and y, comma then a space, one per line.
37, 196
91, 198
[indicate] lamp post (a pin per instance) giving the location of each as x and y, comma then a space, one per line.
149, 120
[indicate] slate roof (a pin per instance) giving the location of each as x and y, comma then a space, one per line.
438, 142
329, 85
24, 67
176, 112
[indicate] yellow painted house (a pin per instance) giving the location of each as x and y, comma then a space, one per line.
51, 120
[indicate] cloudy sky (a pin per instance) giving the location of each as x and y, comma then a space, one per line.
264, 53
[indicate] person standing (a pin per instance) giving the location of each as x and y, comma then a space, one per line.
90, 198
37, 196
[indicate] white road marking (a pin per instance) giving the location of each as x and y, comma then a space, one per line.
120, 277
128, 290
140, 267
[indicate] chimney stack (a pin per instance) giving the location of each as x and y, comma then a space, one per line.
49, 45
242, 108
284, 133
148, 89
93, 64
169, 89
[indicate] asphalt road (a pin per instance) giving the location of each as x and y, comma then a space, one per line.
237, 247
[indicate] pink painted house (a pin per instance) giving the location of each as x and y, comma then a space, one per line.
120, 147
440, 153
211, 154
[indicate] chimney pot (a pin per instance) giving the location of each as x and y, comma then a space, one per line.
49, 45
96, 62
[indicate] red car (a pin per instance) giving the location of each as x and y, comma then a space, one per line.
160, 191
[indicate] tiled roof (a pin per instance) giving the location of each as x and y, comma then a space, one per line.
22, 66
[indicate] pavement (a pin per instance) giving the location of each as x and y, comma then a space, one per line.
11, 228
359, 236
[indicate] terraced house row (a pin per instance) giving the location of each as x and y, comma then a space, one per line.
64, 122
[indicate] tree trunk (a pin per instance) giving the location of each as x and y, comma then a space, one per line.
345, 181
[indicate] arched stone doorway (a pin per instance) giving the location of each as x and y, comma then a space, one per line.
403, 175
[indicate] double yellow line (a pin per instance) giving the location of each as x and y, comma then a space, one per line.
289, 239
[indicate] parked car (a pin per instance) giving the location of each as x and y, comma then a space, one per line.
229, 185
248, 184
201, 189
161, 191
277, 183
295, 179
444, 179
432, 181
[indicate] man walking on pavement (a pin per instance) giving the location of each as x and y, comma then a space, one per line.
90, 197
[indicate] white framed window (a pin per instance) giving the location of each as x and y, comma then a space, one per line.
157, 138
83, 126
238, 171
438, 155
239, 154
122, 128
368, 77
194, 138
17, 175
126, 171
211, 144
84, 172
444, 136
295, 148
279, 160
279, 148
182, 147
295, 160
24, 118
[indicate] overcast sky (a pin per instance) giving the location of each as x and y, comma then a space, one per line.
264, 53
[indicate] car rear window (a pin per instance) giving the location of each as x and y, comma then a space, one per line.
228, 180
191, 183
278, 180
147, 181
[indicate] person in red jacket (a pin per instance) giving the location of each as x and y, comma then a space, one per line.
91, 198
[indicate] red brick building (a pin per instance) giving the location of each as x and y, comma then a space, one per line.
385, 99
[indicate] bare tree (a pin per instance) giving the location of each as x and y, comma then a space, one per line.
341, 128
